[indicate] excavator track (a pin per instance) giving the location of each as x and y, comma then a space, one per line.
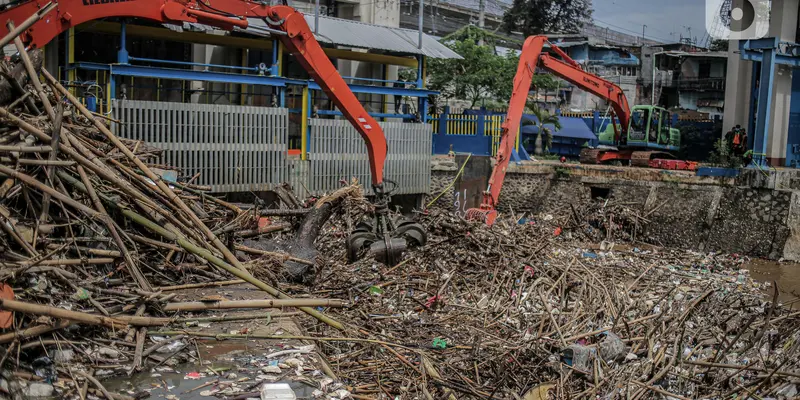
641, 158
590, 156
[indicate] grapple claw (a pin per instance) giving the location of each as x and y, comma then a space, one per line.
389, 251
481, 215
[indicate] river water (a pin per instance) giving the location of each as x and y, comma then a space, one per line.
785, 274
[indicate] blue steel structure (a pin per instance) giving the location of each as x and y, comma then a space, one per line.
255, 75
768, 52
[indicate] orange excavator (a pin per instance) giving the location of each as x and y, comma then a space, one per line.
37, 22
626, 132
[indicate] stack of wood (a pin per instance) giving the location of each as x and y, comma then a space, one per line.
93, 235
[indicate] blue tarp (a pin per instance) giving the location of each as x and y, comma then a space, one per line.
573, 128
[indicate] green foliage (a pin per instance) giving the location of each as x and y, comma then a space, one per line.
481, 74
697, 143
475, 34
535, 17
407, 74
723, 155
719, 45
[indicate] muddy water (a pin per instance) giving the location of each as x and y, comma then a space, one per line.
227, 357
785, 275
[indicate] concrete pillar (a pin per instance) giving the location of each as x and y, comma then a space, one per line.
737, 86
51, 57
783, 24
198, 56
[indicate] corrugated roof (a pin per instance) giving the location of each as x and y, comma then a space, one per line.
348, 33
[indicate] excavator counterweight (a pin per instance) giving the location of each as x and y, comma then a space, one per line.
37, 22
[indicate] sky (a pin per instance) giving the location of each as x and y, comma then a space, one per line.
665, 20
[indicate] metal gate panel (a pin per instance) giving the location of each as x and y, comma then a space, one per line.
337, 152
234, 148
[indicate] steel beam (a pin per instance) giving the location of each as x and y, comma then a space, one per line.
763, 110
382, 90
190, 75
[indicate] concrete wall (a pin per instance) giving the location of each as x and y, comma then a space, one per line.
688, 100
746, 215
690, 68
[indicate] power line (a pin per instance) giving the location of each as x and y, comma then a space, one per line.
637, 34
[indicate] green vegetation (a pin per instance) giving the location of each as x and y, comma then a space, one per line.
535, 17
723, 156
542, 144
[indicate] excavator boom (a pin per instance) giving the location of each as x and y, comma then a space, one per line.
285, 22
38, 22
566, 68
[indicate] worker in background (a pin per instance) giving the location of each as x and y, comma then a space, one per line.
739, 140
729, 138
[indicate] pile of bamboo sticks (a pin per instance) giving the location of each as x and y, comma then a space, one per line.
93, 236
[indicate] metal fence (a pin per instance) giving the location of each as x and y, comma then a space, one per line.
234, 148
337, 152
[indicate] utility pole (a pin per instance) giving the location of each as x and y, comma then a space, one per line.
481, 15
419, 21
643, 26
316, 17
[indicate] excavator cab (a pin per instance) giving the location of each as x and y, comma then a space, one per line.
650, 127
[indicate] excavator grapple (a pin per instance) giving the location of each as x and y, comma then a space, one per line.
37, 23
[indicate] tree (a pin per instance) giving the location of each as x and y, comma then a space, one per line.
719, 45
505, 83
473, 78
535, 17
542, 118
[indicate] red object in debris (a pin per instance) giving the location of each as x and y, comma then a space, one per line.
673, 164
563, 159
264, 222
192, 375
6, 317
529, 269
432, 300
557, 231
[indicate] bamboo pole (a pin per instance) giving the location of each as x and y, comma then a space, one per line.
272, 254
200, 252
47, 163
55, 312
31, 181
205, 196
267, 303
101, 171
26, 149
133, 269
199, 285
33, 331
32, 74
228, 255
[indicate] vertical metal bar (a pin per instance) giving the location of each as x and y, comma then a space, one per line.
764, 105
304, 125
419, 21
316, 17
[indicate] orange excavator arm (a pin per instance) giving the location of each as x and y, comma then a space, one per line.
42, 21
37, 22
566, 68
